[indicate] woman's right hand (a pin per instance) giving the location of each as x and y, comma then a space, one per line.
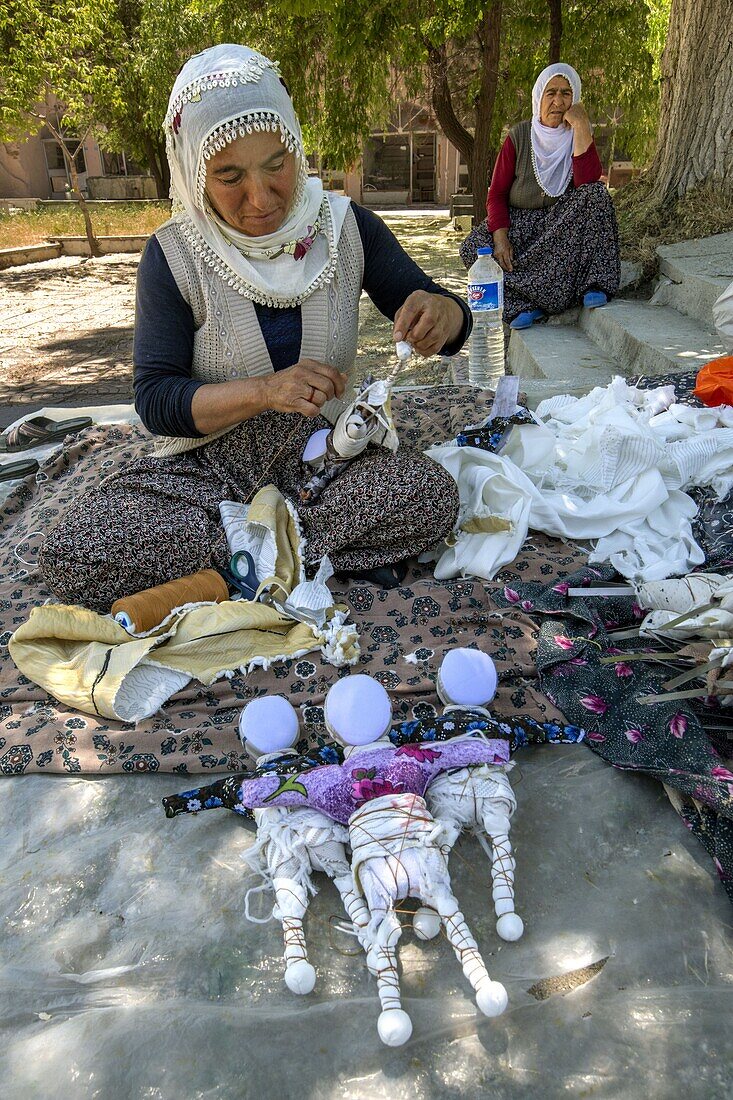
503, 252
303, 388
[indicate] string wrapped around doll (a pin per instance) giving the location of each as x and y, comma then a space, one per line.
478, 799
378, 792
293, 843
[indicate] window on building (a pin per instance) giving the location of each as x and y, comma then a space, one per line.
387, 163
120, 164
55, 159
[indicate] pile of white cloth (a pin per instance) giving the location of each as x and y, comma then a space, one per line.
609, 469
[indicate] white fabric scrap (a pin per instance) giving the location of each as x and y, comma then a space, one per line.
339, 641
609, 468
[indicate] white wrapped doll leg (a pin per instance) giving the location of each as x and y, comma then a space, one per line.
394, 857
482, 801
291, 902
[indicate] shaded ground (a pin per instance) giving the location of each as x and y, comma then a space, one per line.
66, 325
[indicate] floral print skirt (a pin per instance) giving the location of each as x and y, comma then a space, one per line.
559, 252
158, 519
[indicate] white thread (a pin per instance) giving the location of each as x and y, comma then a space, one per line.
30, 564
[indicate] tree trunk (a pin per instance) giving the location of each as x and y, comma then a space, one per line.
442, 103
157, 164
695, 135
474, 148
489, 35
94, 248
555, 7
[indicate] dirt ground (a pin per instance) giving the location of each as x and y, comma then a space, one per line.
66, 325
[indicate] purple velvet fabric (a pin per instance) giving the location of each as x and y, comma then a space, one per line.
339, 789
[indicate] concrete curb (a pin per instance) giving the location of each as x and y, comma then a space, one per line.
79, 246
69, 246
28, 254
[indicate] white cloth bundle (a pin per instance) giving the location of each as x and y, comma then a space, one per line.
609, 468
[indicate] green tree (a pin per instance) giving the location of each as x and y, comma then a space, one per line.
474, 64
107, 64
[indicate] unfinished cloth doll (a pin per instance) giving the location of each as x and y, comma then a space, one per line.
379, 793
367, 420
479, 799
293, 843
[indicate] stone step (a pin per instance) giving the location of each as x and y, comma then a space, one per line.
650, 339
694, 273
559, 353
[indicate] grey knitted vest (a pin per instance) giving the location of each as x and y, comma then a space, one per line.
228, 342
526, 192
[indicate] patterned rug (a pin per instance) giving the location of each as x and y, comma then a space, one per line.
195, 731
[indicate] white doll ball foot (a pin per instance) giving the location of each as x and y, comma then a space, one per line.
300, 977
492, 999
510, 926
394, 1027
467, 678
426, 923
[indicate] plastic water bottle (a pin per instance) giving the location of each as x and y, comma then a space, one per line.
486, 302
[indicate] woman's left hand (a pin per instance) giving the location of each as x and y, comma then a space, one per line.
428, 321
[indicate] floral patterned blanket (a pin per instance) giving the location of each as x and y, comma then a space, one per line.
404, 633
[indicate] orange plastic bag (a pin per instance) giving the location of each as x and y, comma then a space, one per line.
714, 383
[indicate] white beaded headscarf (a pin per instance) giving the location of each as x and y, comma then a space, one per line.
222, 94
552, 146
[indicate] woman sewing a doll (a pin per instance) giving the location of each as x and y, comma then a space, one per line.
245, 336
550, 221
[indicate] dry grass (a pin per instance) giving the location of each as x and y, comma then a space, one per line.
644, 224
36, 226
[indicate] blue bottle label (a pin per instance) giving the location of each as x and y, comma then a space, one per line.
485, 296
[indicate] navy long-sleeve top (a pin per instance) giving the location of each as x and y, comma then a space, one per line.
164, 327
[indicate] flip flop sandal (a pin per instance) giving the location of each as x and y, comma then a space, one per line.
39, 430
10, 471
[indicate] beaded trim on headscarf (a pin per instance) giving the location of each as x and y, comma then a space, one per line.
248, 73
241, 286
240, 126
542, 188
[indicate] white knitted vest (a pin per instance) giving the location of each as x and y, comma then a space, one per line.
228, 342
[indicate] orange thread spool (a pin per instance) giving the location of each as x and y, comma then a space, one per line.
145, 610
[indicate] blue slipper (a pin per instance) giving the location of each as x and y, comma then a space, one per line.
594, 299
528, 318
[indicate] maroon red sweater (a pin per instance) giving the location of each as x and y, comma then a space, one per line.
587, 168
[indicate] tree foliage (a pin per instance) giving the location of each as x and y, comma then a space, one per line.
112, 63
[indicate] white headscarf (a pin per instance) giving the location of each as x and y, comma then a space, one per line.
220, 95
552, 146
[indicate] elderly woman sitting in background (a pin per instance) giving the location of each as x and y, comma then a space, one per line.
245, 338
551, 223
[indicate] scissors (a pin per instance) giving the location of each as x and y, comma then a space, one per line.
242, 575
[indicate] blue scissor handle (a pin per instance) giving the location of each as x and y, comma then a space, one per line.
242, 575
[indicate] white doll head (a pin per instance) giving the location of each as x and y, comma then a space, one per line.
269, 724
357, 710
467, 678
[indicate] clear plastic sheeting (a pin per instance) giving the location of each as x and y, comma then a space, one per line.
129, 970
